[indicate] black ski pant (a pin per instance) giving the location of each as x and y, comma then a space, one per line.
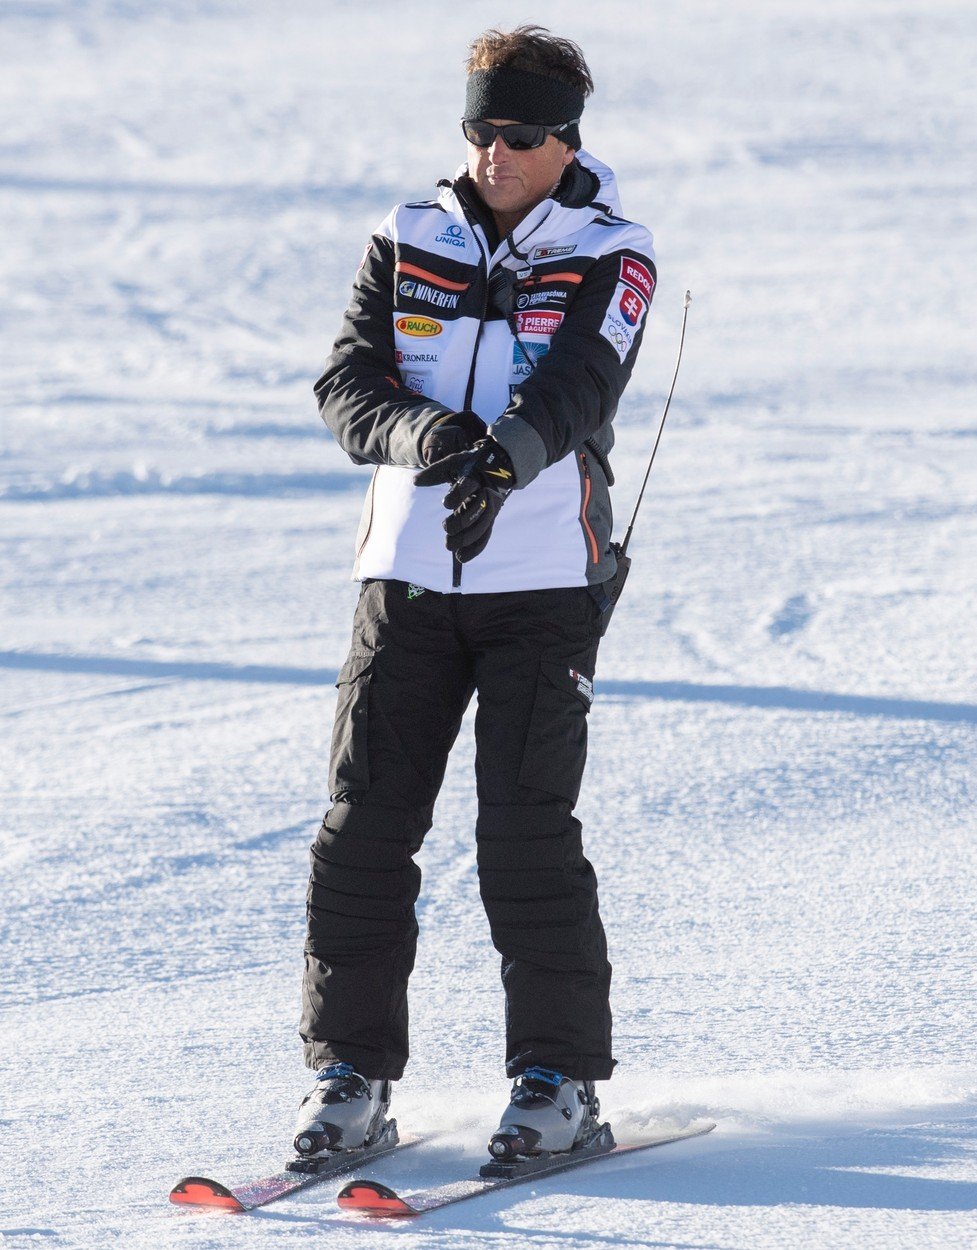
416, 658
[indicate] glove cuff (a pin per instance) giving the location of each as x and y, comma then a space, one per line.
469, 422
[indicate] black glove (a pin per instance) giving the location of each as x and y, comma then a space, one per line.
454, 432
483, 480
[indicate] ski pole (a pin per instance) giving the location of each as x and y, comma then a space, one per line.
612, 589
661, 426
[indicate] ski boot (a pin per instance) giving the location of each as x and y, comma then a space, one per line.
548, 1113
343, 1111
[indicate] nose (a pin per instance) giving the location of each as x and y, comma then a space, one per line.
497, 149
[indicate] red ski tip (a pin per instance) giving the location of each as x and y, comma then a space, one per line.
372, 1198
198, 1191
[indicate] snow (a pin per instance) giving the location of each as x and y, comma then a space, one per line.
780, 800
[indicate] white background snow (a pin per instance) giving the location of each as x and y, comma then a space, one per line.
780, 800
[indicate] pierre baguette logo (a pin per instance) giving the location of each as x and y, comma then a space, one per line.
419, 327
538, 322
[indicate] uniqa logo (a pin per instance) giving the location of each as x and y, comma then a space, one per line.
419, 327
454, 236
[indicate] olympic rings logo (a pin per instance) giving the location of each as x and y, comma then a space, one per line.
618, 335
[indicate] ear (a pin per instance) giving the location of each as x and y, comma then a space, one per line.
568, 156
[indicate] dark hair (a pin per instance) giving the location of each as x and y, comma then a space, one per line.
531, 48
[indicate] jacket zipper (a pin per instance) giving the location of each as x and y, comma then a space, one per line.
456, 565
585, 520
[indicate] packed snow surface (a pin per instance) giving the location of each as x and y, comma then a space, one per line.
781, 794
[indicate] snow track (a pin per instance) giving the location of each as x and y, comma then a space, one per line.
780, 802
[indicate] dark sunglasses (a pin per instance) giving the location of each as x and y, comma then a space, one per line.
520, 136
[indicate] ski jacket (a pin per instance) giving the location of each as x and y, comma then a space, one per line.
536, 333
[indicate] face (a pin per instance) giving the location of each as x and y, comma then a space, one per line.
511, 183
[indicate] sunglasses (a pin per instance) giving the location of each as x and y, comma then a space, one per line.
520, 136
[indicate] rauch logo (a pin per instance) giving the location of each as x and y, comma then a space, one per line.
419, 327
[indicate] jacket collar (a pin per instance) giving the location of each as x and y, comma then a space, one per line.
587, 189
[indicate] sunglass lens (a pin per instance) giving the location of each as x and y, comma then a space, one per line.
480, 134
521, 137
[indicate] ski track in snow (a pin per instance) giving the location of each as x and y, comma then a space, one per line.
780, 802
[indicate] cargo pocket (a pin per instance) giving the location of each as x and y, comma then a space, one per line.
349, 766
556, 744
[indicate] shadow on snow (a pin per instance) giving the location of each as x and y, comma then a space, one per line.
783, 698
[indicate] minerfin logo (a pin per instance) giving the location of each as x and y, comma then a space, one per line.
454, 236
428, 294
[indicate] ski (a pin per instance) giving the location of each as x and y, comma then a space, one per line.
200, 1191
378, 1201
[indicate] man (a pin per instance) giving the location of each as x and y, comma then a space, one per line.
488, 339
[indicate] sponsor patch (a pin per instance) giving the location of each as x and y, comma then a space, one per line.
638, 275
538, 322
529, 299
632, 307
584, 685
416, 358
544, 253
428, 294
623, 319
419, 327
525, 358
417, 380
453, 236
414, 592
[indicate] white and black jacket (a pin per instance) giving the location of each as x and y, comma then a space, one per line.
537, 334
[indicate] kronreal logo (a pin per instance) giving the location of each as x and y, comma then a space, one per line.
544, 253
419, 327
420, 290
638, 275
538, 322
454, 236
412, 358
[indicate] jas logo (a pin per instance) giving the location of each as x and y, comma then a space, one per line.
419, 327
454, 236
526, 356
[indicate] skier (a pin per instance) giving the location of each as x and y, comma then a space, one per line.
490, 334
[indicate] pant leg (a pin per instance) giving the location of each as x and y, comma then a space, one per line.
402, 694
535, 658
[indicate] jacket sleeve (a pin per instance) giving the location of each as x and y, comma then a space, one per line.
373, 416
576, 385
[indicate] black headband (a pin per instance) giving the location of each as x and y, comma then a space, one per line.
523, 96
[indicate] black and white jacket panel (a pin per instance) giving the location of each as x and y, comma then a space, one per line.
537, 335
